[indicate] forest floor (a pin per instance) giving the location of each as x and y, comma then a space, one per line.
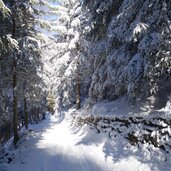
56, 145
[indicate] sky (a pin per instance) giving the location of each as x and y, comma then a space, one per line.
48, 18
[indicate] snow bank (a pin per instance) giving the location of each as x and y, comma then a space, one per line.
120, 107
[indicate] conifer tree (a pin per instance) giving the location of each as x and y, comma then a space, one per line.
20, 63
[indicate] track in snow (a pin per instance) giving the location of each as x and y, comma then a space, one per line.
55, 145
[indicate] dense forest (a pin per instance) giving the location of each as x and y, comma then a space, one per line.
121, 48
92, 56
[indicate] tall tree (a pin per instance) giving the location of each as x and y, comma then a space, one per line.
20, 63
127, 47
14, 66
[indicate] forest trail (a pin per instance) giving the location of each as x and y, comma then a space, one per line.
55, 145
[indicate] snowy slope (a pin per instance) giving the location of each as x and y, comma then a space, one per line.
121, 108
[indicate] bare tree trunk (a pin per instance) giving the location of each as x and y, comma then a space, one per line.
15, 104
0, 136
78, 95
78, 88
15, 100
26, 113
30, 116
36, 114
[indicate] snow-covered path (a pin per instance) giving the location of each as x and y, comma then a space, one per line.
57, 146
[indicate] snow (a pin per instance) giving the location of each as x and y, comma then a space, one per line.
57, 145
60, 29
120, 107
73, 42
5, 10
58, 148
75, 23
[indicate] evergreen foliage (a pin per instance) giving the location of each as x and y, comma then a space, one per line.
51, 103
129, 47
20, 63
98, 49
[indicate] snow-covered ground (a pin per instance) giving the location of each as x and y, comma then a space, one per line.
120, 107
56, 145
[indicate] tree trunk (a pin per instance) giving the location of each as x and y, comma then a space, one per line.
36, 114
78, 86
78, 100
26, 113
15, 100
15, 104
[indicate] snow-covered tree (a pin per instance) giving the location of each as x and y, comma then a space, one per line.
65, 59
4, 9
20, 64
129, 47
